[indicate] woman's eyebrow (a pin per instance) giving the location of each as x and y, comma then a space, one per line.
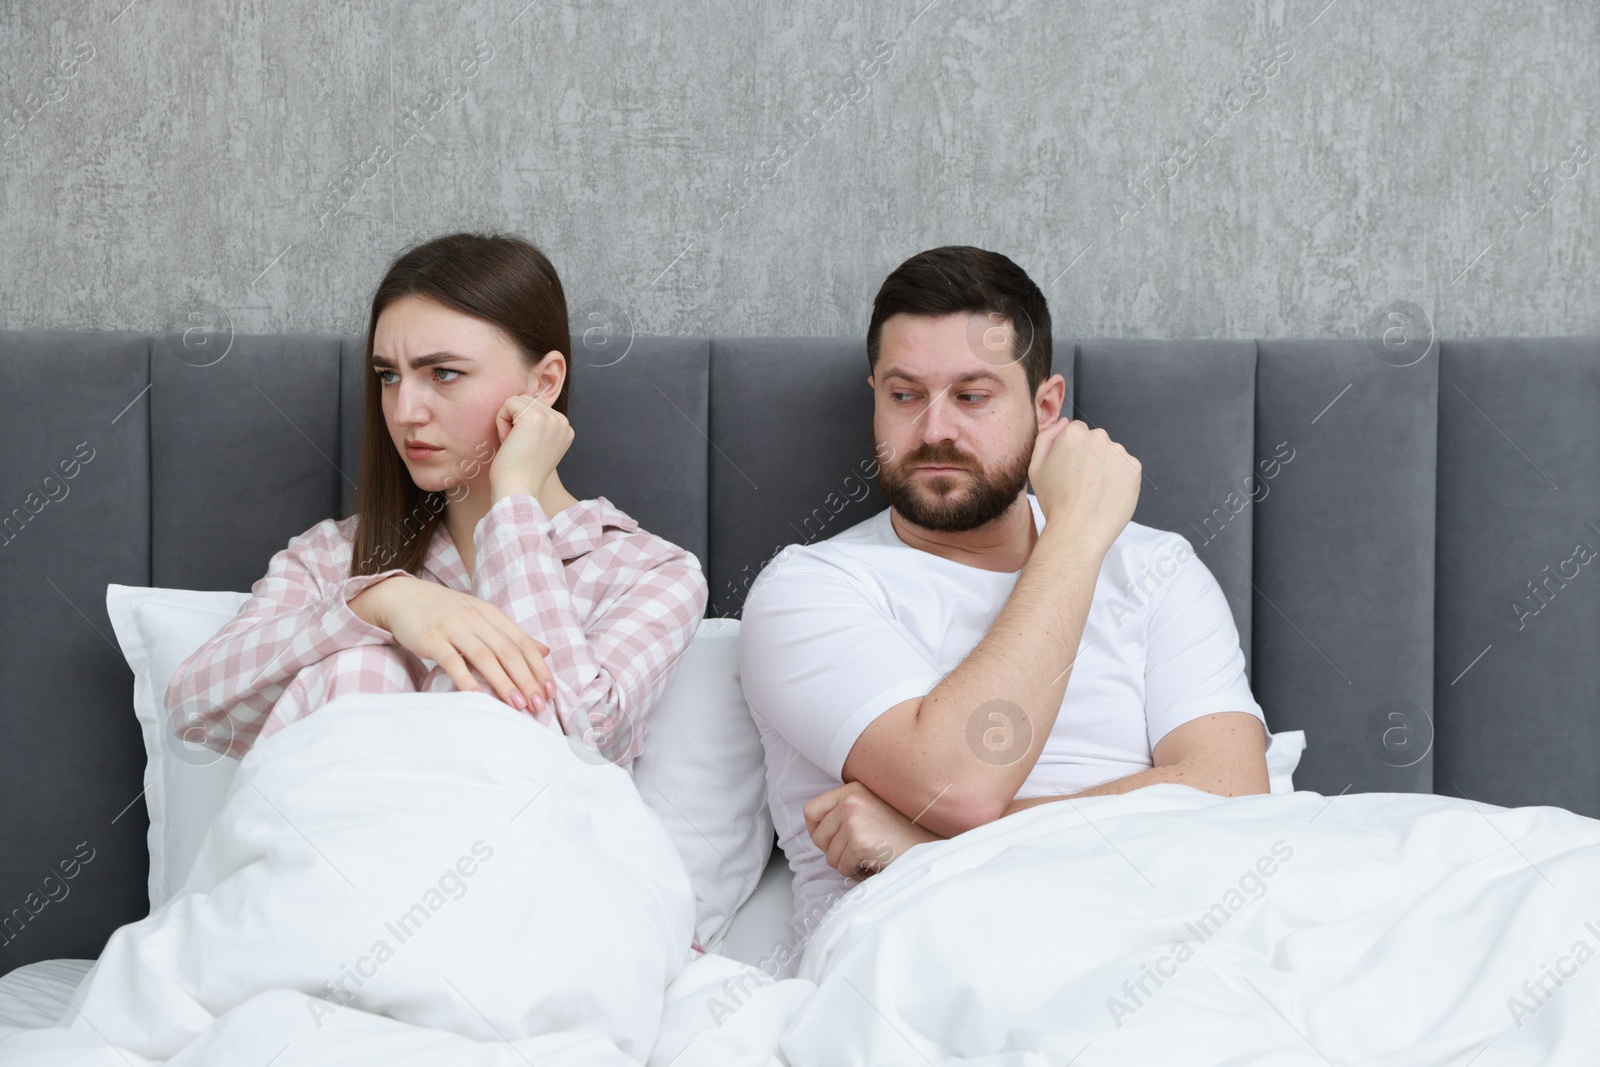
432, 359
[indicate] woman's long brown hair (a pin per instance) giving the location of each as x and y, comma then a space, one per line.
499, 278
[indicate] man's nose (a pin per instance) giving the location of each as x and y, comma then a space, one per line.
938, 420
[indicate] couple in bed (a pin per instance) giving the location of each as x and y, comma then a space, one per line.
909, 676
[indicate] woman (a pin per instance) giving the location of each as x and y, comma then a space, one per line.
466, 550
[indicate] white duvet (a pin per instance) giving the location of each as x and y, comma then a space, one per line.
1168, 926
1164, 926
430, 878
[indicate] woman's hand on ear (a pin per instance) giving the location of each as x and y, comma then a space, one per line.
457, 630
533, 438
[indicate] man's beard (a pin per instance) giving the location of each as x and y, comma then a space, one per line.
956, 508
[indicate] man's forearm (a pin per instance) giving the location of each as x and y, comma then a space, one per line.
988, 720
1201, 774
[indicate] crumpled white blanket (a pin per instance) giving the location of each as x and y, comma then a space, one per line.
1162, 926
412, 879
1171, 926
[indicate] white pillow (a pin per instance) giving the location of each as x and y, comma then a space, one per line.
703, 771
184, 784
1283, 756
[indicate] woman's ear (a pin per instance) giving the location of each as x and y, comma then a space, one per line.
546, 377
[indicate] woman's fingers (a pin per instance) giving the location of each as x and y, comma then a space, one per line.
522, 656
513, 659
483, 657
455, 665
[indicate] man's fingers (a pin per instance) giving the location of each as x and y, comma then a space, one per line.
819, 806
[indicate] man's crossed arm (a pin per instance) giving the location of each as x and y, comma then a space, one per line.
1223, 753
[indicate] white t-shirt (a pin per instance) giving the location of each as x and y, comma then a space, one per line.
834, 634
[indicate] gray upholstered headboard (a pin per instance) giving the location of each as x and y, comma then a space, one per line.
1375, 528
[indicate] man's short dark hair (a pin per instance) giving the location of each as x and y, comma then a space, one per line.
961, 278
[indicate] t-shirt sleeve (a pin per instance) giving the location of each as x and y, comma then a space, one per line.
819, 660
1194, 663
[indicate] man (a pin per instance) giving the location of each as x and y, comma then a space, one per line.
976, 649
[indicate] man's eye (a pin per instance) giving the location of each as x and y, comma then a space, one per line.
897, 396
980, 396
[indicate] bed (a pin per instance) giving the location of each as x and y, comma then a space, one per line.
1403, 538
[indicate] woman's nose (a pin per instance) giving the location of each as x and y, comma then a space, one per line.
409, 404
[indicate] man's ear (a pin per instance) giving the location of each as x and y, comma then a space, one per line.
870, 384
1051, 399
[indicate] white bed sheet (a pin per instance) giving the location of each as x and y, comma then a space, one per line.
36, 994
763, 920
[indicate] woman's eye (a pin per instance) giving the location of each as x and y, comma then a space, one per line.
436, 371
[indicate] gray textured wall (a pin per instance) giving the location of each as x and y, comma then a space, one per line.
1203, 169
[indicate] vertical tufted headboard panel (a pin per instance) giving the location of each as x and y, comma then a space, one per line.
1405, 548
